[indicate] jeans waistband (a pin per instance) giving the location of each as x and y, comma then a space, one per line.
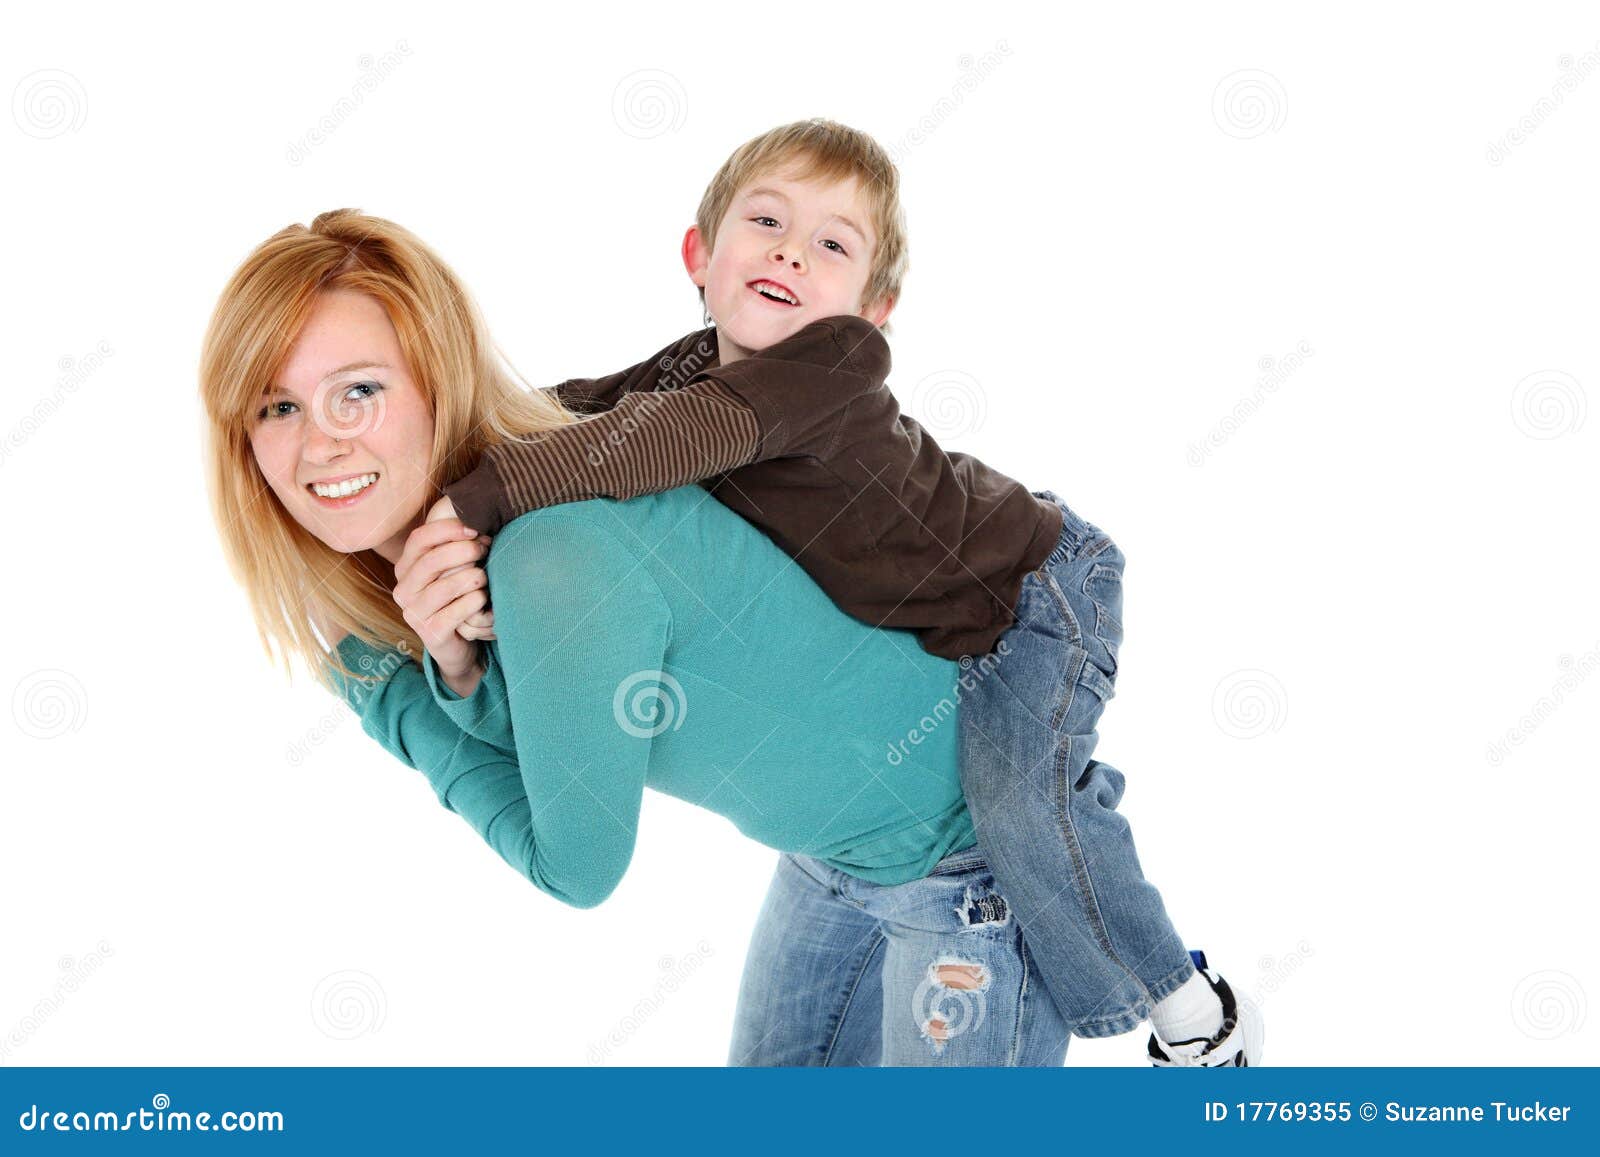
960, 861
1076, 531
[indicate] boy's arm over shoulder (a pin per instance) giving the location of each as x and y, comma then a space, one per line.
781, 402
596, 395
487, 497
800, 387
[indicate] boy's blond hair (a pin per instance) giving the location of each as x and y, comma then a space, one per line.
826, 150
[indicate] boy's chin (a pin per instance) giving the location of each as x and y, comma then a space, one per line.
754, 339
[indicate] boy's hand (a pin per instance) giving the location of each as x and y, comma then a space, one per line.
479, 624
444, 508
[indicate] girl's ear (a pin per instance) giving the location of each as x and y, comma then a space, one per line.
696, 256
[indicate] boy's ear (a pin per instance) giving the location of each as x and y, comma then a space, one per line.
878, 314
696, 257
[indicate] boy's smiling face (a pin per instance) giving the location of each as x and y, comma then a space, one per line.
789, 251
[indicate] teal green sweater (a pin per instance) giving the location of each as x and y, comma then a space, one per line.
665, 642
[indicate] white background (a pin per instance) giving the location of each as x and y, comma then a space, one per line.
1121, 224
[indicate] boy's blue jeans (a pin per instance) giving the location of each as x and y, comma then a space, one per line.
1045, 812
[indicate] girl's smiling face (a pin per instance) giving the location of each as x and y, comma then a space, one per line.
345, 407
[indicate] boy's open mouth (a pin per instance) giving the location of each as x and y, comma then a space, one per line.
774, 292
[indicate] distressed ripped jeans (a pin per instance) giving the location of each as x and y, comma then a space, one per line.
1045, 812
842, 971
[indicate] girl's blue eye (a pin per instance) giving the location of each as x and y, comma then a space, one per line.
263, 414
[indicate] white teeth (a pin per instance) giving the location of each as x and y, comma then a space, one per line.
348, 486
769, 288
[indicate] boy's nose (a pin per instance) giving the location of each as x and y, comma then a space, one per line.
777, 255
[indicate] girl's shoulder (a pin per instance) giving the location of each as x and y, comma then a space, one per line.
642, 522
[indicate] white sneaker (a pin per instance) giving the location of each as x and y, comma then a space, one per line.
1238, 1042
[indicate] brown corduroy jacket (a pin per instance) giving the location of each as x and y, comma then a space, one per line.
805, 440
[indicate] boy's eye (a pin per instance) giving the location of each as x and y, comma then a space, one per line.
270, 410
837, 248
764, 220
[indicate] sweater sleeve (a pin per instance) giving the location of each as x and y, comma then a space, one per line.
480, 783
480, 497
783, 401
583, 631
484, 714
542, 820
648, 442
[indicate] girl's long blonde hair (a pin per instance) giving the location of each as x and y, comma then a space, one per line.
297, 584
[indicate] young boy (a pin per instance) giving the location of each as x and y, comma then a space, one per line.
780, 409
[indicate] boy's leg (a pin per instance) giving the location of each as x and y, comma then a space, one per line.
1045, 811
